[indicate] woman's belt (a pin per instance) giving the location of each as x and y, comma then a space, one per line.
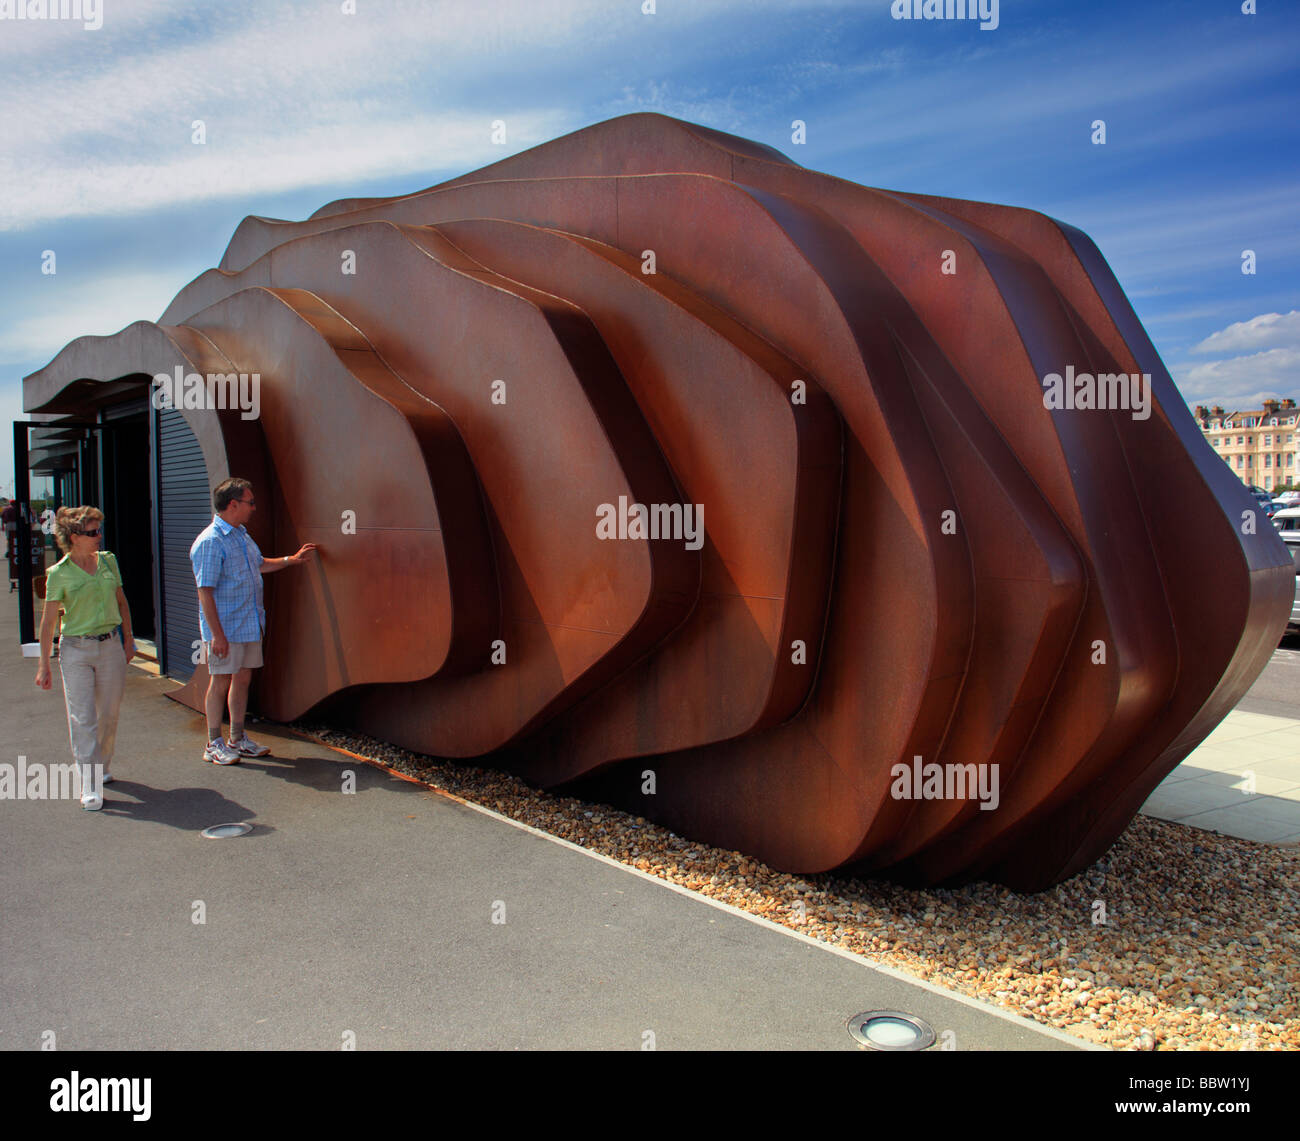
93, 637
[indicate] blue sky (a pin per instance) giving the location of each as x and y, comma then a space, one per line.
304, 103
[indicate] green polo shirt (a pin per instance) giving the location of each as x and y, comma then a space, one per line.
89, 600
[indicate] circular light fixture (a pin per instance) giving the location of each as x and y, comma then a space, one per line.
225, 831
890, 1030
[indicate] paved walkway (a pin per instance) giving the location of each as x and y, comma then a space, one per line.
1244, 780
372, 915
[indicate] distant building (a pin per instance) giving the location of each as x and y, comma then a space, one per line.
1259, 444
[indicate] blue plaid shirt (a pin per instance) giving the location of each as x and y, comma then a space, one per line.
227, 559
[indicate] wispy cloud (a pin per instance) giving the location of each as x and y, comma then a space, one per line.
1245, 379
282, 157
932, 100
303, 104
99, 306
90, 133
101, 123
1265, 331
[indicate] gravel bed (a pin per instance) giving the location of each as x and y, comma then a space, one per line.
1198, 950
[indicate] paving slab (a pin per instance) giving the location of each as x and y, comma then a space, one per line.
1243, 780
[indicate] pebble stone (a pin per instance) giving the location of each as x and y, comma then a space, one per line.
1193, 947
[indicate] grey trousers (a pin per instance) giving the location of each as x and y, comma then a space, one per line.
94, 674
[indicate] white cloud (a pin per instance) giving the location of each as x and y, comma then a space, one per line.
1269, 330
100, 307
265, 162
91, 132
1241, 381
300, 95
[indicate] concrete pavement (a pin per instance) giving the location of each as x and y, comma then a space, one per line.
410, 920
394, 914
1243, 780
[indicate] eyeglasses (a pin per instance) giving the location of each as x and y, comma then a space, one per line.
90, 534
250, 502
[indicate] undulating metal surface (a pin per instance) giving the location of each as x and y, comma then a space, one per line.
734, 493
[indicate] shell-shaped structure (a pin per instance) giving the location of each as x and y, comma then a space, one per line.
732, 492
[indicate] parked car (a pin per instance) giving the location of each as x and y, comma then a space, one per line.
1287, 522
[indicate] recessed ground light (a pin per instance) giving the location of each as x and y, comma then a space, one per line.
225, 831
890, 1030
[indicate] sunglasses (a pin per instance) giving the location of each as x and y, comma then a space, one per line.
89, 534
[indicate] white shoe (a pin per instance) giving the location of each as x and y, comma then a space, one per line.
92, 803
219, 753
108, 778
248, 748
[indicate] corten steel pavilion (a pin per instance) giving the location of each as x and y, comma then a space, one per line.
500, 405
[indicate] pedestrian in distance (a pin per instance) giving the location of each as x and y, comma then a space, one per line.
228, 569
9, 517
86, 585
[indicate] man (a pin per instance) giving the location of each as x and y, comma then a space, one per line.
228, 569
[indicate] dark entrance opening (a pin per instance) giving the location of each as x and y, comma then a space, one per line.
94, 444
127, 503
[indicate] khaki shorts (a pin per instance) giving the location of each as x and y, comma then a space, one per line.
242, 656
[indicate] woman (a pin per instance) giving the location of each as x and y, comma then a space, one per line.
87, 586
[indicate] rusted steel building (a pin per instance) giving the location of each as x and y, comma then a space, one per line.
817, 521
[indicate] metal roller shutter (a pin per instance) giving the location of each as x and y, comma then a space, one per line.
184, 509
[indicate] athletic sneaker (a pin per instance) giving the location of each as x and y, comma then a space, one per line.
108, 778
92, 803
219, 753
248, 748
